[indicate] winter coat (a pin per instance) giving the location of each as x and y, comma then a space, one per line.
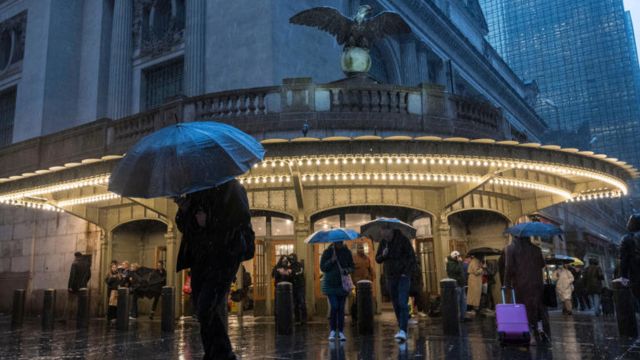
282, 273
523, 270
297, 275
455, 271
213, 251
113, 280
362, 269
400, 259
630, 258
474, 281
564, 283
332, 278
79, 275
593, 277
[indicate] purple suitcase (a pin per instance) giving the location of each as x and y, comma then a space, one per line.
513, 327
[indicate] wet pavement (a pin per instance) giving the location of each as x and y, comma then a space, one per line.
579, 337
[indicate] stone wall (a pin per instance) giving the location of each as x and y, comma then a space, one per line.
36, 252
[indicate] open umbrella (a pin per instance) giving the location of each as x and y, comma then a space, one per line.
534, 229
185, 158
484, 251
372, 228
559, 260
577, 262
331, 236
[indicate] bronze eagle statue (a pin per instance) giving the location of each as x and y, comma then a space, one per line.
359, 32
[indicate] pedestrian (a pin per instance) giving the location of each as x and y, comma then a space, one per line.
282, 271
363, 270
336, 262
160, 274
79, 276
399, 261
630, 257
523, 271
216, 237
415, 291
474, 283
455, 271
113, 281
134, 281
299, 301
564, 288
593, 277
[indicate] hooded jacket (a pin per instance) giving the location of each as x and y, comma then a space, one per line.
455, 271
400, 259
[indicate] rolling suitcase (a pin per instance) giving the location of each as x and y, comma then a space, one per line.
511, 319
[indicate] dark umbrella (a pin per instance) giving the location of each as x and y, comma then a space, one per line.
559, 260
484, 251
185, 158
534, 229
372, 228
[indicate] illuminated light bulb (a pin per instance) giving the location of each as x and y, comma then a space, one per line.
383, 177
300, 163
455, 162
440, 162
326, 161
415, 160
368, 176
463, 162
432, 161
308, 162
389, 160
344, 161
424, 161
344, 176
398, 161
373, 161
406, 160
354, 161
352, 176
264, 164
359, 176
318, 162
335, 161
421, 177
364, 161
448, 162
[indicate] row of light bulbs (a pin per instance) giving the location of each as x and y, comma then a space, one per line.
89, 199
92, 181
32, 205
531, 186
440, 160
596, 196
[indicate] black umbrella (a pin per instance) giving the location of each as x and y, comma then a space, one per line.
484, 251
559, 260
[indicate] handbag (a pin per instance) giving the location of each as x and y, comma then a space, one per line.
113, 298
347, 283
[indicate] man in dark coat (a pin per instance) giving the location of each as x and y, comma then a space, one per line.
299, 301
399, 262
523, 270
456, 272
216, 228
593, 277
78, 278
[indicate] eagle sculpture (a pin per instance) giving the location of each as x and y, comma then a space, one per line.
359, 32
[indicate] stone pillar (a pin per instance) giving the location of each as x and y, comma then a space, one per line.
409, 61
119, 102
170, 266
423, 64
305, 252
441, 244
105, 267
194, 49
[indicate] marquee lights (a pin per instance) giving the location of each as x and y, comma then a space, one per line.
32, 205
92, 181
451, 161
89, 199
596, 196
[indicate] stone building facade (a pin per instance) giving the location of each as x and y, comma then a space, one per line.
446, 138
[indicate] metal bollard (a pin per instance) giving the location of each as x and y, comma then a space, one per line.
625, 310
449, 307
284, 308
17, 314
122, 319
82, 319
48, 309
168, 308
364, 307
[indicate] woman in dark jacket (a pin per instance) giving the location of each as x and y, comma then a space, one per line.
335, 258
113, 280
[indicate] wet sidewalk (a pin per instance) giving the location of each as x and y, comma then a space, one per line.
579, 337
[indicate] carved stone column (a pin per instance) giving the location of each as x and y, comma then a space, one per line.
441, 244
105, 268
194, 52
409, 61
305, 252
119, 102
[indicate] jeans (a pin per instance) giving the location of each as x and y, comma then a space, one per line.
462, 302
595, 303
336, 320
399, 292
210, 303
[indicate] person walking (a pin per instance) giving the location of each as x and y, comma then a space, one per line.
456, 272
564, 288
113, 281
474, 283
630, 257
523, 271
363, 270
398, 259
79, 276
299, 301
336, 262
593, 277
216, 237
159, 274
282, 271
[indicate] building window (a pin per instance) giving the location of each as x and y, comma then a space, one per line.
12, 36
162, 82
158, 26
7, 112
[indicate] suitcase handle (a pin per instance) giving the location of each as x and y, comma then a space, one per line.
513, 294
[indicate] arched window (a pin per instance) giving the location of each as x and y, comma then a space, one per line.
12, 33
158, 25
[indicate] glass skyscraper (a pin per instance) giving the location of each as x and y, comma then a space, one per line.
582, 55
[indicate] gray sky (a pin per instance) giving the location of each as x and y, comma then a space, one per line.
634, 7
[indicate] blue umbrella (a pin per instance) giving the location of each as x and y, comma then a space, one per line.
534, 229
372, 228
332, 236
185, 158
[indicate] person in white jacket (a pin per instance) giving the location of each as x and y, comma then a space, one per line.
564, 288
